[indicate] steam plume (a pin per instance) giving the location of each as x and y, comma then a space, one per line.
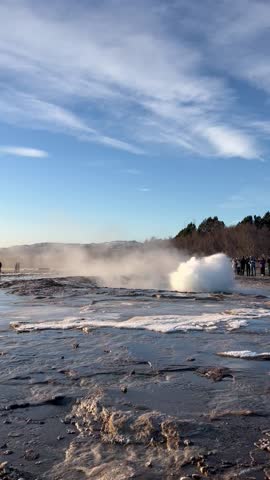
207, 274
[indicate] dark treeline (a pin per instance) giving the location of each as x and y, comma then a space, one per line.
251, 236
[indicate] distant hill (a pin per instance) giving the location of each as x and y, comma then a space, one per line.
56, 255
251, 236
41, 255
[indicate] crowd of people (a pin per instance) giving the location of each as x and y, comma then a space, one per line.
249, 266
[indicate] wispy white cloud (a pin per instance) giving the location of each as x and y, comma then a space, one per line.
121, 62
229, 142
144, 189
22, 152
28, 111
132, 171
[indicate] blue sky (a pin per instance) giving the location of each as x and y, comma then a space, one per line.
119, 121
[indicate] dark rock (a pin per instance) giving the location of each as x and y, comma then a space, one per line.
31, 455
215, 373
267, 473
7, 452
187, 443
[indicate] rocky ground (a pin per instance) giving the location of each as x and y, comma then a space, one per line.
109, 403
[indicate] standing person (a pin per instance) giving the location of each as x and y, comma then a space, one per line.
262, 264
243, 265
248, 266
0, 268
17, 267
253, 266
268, 263
238, 266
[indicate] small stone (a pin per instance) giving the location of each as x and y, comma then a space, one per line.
184, 478
190, 359
149, 464
71, 432
267, 473
60, 437
107, 351
7, 452
31, 455
204, 470
212, 452
75, 345
124, 389
62, 357
187, 443
66, 421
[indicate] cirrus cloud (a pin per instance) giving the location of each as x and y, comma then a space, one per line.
132, 78
23, 152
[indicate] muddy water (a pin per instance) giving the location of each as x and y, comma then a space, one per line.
115, 384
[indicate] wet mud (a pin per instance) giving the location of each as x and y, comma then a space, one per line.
103, 402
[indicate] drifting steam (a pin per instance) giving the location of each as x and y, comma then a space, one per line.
143, 266
137, 269
207, 274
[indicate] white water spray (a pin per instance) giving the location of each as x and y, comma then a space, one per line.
207, 274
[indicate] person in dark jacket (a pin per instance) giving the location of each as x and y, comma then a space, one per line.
268, 263
262, 264
243, 265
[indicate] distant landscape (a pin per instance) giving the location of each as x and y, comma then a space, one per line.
251, 236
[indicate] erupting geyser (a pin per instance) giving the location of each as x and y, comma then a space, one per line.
207, 274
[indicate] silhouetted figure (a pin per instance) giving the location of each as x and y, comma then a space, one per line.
0, 267
248, 268
238, 266
17, 267
253, 266
268, 263
262, 264
243, 265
